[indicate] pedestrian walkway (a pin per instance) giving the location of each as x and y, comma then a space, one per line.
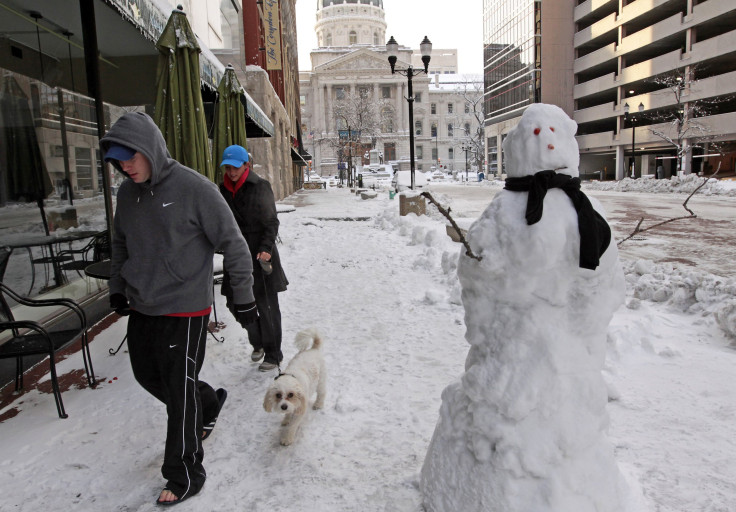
393, 335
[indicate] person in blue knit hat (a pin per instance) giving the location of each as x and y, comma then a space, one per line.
251, 200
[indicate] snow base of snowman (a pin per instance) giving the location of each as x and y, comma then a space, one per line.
524, 428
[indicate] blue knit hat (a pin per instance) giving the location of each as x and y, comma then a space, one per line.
234, 155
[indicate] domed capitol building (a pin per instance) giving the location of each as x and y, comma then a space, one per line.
352, 103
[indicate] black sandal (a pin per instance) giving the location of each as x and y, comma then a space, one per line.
185, 496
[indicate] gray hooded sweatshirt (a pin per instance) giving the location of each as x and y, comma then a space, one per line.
167, 230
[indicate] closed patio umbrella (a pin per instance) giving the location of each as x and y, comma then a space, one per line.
179, 110
27, 176
229, 118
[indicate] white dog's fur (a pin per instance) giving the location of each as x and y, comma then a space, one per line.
291, 390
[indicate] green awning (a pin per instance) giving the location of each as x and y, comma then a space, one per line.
256, 122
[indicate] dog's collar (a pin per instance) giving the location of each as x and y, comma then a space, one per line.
281, 375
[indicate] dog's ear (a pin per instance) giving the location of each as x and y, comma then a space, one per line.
301, 400
268, 401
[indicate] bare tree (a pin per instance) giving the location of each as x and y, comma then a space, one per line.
683, 128
471, 94
359, 120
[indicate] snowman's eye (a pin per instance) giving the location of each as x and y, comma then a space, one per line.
536, 131
552, 128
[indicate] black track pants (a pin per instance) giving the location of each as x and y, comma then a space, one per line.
166, 354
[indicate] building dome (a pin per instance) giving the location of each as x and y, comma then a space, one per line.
350, 22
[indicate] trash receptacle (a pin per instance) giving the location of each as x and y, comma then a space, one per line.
360, 180
391, 194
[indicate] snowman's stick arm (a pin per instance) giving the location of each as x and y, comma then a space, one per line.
446, 213
692, 215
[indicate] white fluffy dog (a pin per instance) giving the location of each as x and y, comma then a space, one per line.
291, 390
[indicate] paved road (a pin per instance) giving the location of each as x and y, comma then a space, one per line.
705, 242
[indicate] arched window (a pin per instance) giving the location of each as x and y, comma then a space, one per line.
434, 130
417, 127
353, 37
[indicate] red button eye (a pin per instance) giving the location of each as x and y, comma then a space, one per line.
552, 128
536, 131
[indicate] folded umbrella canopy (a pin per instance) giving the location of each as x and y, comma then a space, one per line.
179, 110
229, 118
27, 177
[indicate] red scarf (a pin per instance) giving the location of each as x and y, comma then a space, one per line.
234, 187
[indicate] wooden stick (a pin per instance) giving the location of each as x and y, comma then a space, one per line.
446, 213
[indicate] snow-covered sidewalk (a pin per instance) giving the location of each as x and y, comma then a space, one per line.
383, 291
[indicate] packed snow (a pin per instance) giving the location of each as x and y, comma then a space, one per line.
384, 292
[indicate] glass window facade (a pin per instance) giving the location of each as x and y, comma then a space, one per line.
512, 71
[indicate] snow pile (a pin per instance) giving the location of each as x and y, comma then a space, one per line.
688, 290
676, 184
524, 427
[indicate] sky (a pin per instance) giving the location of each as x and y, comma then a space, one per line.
456, 25
383, 291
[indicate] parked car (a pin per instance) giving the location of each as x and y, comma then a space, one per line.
402, 180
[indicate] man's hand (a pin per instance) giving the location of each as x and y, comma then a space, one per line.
119, 303
246, 313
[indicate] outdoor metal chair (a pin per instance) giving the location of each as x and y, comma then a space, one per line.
97, 249
27, 337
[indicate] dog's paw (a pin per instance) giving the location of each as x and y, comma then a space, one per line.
286, 421
287, 440
318, 405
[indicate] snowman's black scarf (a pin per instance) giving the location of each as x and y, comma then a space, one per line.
595, 233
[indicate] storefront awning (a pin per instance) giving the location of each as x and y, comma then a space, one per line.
256, 122
43, 39
299, 159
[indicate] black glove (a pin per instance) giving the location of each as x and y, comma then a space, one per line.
119, 303
246, 313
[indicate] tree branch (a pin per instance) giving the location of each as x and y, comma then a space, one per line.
446, 213
638, 229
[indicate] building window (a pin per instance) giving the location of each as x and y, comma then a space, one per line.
419, 153
433, 108
364, 92
375, 38
386, 92
302, 99
340, 93
389, 151
467, 108
387, 123
353, 37
328, 40
451, 153
450, 130
434, 154
417, 128
467, 128
434, 130
83, 157
449, 108
418, 97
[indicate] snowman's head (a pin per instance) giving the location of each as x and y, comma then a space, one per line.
544, 139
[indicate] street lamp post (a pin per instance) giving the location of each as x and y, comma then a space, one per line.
466, 148
392, 48
632, 118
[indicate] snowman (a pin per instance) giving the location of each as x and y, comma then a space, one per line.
524, 428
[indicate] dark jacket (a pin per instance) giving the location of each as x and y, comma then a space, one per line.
167, 230
254, 208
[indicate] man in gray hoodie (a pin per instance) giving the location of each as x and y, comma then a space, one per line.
169, 221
